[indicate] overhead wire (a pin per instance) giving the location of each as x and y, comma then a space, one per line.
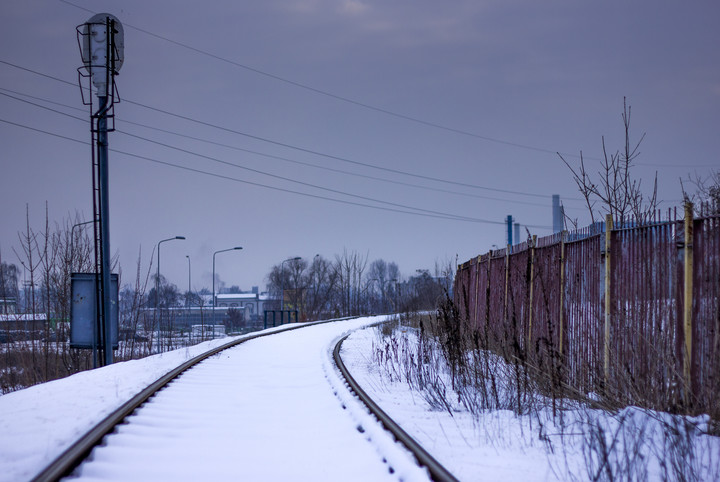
270, 156
302, 149
417, 212
287, 179
329, 94
289, 146
331, 156
257, 171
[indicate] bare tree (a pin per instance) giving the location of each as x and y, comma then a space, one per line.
614, 191
321, 286
378, 277
350, 268
131, 301
707, 192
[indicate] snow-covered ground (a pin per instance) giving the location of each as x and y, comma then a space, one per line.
503, 448
500, 445
283, 413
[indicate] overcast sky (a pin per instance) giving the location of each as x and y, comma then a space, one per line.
427, 122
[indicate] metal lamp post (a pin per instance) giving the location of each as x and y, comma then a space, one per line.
187, 298
72, 240
157, 279
213, 284
282, 281
316, 287
381, 282
394, 280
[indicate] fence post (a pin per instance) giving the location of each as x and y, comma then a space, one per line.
476, 320
608, 304
562, 287
687, 298
532, 283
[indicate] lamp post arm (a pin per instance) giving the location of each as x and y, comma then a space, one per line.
213, 282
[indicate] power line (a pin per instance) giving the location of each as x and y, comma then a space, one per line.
331, 169
255, 152
270, 156
331, 95
290, 191
331, 156
43, 107
305, 150
287, 179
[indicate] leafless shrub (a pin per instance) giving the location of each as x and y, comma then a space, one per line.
613, 190
455, 366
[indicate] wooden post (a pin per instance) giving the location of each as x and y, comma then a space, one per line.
507, 282
532, 283
608, 304
687, 298
476, 316
562, 288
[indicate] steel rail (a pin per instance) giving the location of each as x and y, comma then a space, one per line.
438, 473
71, 458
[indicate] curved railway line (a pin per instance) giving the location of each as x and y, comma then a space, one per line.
120, 419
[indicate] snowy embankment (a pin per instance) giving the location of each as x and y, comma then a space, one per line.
503, 448
575, 443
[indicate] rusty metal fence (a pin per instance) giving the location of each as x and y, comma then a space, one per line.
623, 308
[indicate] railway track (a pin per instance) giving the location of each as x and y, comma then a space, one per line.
177, 412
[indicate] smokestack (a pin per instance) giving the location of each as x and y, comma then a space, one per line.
516, 232
558, 214
509, 230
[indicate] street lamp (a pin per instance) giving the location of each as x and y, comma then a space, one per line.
213, 284
394, 280
72, 240
187, 298
282, 281
371, 296
316, 287
157, 279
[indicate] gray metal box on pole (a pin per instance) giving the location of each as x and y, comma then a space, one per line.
83, 311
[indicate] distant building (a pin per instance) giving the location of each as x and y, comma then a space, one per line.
8, 306
251, 305
237, 311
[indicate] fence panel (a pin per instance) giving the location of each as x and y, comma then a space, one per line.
518, 298
643, 320
584, 322
545, 331
647, 332
705, 366
461, 291
482, 303
495, 315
